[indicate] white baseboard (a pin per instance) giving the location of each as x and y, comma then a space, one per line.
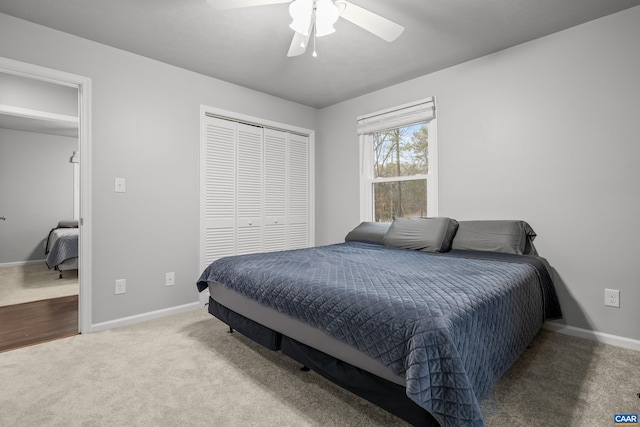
18, 263
103, 326
616, 340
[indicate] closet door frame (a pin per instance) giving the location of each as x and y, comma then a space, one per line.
243, 118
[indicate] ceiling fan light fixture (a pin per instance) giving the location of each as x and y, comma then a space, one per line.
324, 28
327, 14
317, 18
301, 12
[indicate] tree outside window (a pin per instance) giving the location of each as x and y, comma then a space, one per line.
400, 172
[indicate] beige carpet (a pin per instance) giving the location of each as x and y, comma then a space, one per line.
185, 370
35, 282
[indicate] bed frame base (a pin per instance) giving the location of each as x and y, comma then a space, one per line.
247, 327
381, 392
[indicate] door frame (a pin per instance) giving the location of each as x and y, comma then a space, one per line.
83, 84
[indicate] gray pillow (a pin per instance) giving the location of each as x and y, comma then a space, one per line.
424, 234
512, 237
368, 232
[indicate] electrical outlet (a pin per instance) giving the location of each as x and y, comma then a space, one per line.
612, 297
121, 286
170, 279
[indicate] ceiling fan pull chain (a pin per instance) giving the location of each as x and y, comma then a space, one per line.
314, 29
314, 54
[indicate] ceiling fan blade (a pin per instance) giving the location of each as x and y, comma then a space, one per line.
237, 4
298, 45
374, 23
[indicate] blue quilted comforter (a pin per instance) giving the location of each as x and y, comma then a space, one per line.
64, 248
450, 324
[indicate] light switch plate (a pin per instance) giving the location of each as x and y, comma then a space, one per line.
120, 185
170, 279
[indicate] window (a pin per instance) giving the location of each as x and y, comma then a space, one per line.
398, 162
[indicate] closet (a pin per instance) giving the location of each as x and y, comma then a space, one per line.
254, 189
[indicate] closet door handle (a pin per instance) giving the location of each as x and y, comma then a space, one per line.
3, 218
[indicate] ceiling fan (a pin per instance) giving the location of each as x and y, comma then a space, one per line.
316, 18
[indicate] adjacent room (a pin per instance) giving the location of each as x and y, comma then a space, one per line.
40, 182
319, 212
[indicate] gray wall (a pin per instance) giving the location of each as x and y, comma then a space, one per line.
145, 129
546, 131
36, 191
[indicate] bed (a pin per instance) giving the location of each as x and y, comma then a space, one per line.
420, 316
61, 247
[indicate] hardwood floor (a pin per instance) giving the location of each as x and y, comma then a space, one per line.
35, 322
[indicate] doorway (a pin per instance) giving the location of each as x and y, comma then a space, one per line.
80, 162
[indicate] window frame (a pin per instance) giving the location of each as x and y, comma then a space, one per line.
367, 179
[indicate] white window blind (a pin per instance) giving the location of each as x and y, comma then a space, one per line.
420, 113
403, 115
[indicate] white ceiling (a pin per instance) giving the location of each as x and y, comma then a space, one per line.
249, 46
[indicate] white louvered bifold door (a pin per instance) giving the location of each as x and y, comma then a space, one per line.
275, 190
249, 191
219, 189
254, 190
298, 177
